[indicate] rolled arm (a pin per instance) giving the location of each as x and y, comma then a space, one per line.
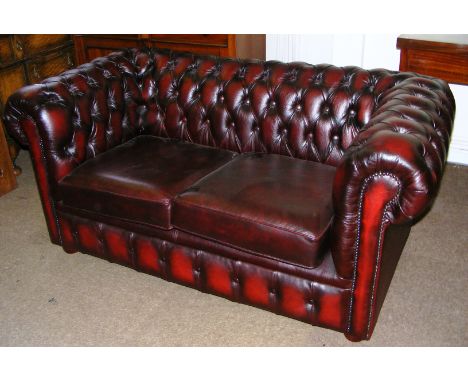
404, 148
388, 178
70, 118
77, 114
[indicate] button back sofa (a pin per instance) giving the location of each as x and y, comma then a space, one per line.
290, 187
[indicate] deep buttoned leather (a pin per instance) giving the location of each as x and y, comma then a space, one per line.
267, 204
387, 133
312, 298
138, 180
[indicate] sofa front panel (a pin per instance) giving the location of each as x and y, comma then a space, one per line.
306, 111
306, 300
324, 273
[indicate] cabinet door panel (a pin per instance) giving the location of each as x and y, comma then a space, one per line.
208, 39
92, 53
11, 79
89, 47
32, 44
50, 65
6, 53
198, 49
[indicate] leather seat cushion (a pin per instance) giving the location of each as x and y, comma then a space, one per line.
266, 204
138, 180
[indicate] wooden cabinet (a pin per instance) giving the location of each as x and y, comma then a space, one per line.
88, 47
26, 59
7, 177
34, 44
442, 56
91, 46
49, 65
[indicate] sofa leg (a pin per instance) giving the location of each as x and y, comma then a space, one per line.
352, 337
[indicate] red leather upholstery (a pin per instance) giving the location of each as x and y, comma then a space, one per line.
269, 205
304, 298
387, 133
405, 144
138, 180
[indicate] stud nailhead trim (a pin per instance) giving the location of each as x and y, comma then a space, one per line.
358, 240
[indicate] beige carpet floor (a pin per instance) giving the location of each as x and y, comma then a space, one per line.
50, 298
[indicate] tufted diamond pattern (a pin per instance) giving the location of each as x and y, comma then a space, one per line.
297, 297
406, 141
311, 112
386, 132
300, 110
316, 112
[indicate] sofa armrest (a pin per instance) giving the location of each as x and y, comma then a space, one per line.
390, 175
79, 113
70, 118
405, 145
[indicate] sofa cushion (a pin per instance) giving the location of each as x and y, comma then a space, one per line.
138, 180
269, 205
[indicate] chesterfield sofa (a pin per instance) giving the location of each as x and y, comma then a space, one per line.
289, 187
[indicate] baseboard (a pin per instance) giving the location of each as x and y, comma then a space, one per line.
458, 151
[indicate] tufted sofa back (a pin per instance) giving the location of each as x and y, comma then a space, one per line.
306, 111
311, 112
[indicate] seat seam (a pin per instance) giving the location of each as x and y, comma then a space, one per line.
250, 251
169, 198
66, 206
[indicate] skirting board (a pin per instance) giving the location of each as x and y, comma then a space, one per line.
458, 151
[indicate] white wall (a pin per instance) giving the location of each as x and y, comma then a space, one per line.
368, 51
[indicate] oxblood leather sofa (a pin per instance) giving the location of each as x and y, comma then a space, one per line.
290, 187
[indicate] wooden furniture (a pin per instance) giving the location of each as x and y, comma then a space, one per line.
26, 59
442, 56
7, 177
88, 47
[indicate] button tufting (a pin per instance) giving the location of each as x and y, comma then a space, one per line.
138, 93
